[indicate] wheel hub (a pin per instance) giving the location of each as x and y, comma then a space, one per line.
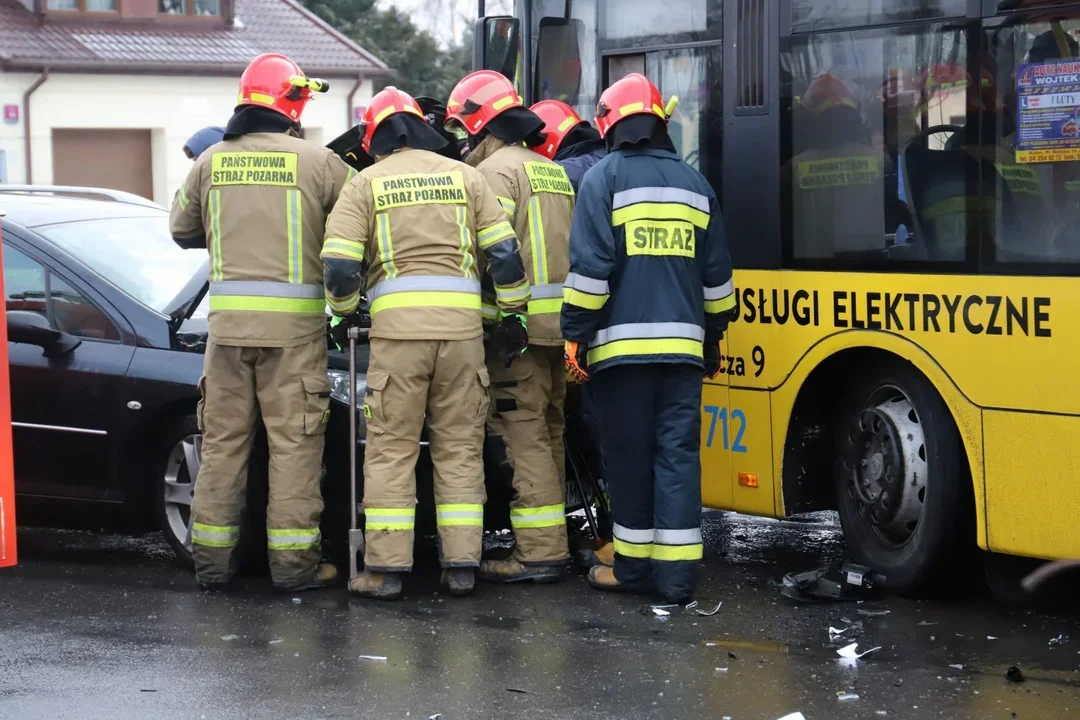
888, 478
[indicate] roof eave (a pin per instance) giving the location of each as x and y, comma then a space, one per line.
223, 70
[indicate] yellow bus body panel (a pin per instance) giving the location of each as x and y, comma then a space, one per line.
1000, 351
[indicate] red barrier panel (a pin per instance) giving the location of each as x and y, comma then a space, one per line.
7, 464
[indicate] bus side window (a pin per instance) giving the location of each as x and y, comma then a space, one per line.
856, 103
1031, 128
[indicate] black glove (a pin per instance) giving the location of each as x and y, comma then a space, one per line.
361, 319
512, 336
712, 356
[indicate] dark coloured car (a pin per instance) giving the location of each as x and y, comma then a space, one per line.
107, 323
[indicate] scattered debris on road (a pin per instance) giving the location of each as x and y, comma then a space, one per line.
519, 692
837, 582
958, 666
873, 613
227, 638
794, 716
1059, 640
661, 612
843, 695
851, 652
705, 613
374, 658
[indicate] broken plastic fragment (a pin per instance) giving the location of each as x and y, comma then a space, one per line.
712, 612
721, 669
794, 716
297, 601
660, 611
276, 641
991, 637
663, 607
957, 666
230, 637
926, 624
376, 658
692, 605
436, 716
852, 651
873, 613
834, 633
1059, 640
846, 696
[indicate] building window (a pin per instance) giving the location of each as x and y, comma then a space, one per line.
199, 8
94, 6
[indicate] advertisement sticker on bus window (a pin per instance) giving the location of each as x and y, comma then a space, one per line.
1048, 111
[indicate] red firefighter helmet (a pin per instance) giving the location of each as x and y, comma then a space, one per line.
828, 92
478, 98
276, 82
387, 102
630, 95
559, 119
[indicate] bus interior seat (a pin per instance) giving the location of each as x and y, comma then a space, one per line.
946, 189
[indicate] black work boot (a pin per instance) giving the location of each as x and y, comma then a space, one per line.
380, 586
512, 571
460, 581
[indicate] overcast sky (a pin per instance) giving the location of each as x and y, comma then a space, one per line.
446, 19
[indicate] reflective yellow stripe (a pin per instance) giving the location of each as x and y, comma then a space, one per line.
538, 517
489, 312
341, 246
568, 123
539, 247
384, 113
294, 218
631, 108
390, 518
467, 301
547, 305
292, 538
459, 515
300, 306
182, 199
721, 305
660, 346
386, 246
494, 234
343, 306
505, 102
659, 211
675, 553
633, 550
466, 241
515, 293
261, 98
583, 299
220, 536
216, 270
508, 205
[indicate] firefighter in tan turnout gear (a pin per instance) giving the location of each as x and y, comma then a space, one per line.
417, 222
258, 201
528, 392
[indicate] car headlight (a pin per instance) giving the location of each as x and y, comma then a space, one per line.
339, 385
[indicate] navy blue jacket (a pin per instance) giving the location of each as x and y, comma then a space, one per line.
650, 271
579, 157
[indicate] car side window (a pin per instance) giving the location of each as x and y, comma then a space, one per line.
31, 287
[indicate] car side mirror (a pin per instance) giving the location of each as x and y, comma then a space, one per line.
30, 328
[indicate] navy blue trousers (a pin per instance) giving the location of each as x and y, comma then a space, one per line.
651, 431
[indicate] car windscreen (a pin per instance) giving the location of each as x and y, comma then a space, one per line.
137, 254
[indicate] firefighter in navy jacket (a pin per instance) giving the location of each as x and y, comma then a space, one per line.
646, 303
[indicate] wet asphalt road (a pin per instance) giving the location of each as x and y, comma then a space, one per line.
106, 626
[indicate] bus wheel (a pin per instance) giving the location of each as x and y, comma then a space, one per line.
901, 484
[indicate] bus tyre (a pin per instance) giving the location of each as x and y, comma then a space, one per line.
902, 486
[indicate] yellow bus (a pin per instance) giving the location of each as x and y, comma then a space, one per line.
900, 183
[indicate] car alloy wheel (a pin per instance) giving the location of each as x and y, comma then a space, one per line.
181, 472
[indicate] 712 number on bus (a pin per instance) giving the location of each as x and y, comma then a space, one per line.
737, 424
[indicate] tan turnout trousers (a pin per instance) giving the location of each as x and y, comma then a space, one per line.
288, 386
447, 380
527, 413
